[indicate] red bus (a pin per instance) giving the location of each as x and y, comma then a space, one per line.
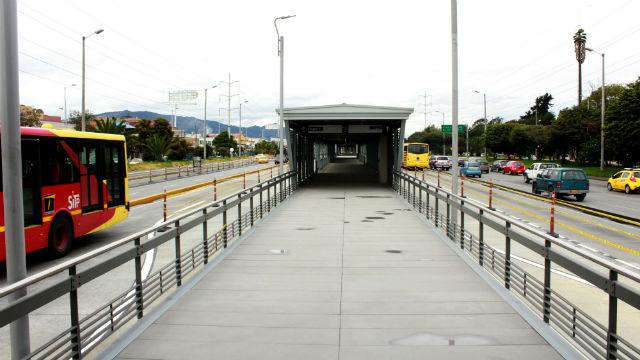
73, 183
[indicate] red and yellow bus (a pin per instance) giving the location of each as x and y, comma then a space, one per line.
73, 183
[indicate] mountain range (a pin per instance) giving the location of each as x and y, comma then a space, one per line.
192, 124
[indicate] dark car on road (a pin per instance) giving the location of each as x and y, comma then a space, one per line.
484, 164
498, 165
277, 159
562, 181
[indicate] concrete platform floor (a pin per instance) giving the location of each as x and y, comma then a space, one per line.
341, 272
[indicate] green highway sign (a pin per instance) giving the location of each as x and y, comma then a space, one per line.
447, 129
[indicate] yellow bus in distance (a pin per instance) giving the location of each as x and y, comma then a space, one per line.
415, 156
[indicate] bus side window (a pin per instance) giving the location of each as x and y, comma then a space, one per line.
114, 173
57, 166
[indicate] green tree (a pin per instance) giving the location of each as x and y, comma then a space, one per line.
497, 138
573, 131
223, 142
266, 147
622, 126
179, 149
162, 127
157, 146
110, 126
30, 116
539, 110
432, 136
521, 141
75, 118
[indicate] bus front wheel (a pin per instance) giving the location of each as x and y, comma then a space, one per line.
60, 236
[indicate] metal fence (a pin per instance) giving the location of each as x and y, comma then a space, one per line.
86, 333
180, 171
594, 339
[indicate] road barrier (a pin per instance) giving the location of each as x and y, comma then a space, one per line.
618, 283
180, 171
86, 333
214, 183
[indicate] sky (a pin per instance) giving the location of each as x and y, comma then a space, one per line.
359, 52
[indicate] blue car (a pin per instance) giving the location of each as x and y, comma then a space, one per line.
470, 169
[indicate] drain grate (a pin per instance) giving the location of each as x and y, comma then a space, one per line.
393, 251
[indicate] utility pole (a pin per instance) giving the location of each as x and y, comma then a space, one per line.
281, 122
229, 96
454, 105
602, 108
65, 102
240, 121
84, 38
12, 170
204, 131
424, 97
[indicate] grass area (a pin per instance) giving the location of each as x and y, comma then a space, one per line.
589, 170
152, 165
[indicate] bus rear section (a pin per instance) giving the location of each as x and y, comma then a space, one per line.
415, 156
73, 184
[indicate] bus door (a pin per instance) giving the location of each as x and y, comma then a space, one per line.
90, 177
31, 182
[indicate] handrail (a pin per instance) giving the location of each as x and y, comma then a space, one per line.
631, 274
30, 280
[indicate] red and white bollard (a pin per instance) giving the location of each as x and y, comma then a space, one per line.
164, 205
461, 185
552, 219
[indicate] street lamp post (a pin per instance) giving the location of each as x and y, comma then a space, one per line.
240, 118
443, 137
281, 55
204, 131
84, 38
484, 97
602, 106
65, 101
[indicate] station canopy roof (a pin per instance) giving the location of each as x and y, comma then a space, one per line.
347, 113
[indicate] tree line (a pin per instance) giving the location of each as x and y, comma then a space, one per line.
573, 134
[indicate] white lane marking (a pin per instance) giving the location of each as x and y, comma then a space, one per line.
587, 247
540, 266
190, 206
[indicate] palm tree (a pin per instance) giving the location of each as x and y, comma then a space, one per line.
579, 42
158, 146
110, 126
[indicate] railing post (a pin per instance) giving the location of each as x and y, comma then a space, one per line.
546, 304
438, 178
507, 257
215, 189
426, 194
480, 238
251, 209
452, 237
258, 176
138, 269
239, 214
413, 197
76, 348
261, 202
224, 222
268, 197
150, 178
271, 173
420, 198
280, 181
244, 180
612, 341
205, 236
178, 268
462, 227
437, 211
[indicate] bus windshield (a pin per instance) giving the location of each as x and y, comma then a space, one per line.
418, 149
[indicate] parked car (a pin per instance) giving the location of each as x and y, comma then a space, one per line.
432, 161
562, 181
470, 169
514, 168
627, 180
443, 163
536, 168
498, 165
277, 159
484, 164
262, 159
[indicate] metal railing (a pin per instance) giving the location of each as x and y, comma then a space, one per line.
592, 338
189, 170
85, 333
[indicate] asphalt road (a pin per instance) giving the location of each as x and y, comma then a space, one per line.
600, 235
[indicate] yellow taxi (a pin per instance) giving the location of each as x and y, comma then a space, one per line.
627, 180
262, 159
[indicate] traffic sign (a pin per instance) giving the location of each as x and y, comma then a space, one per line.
447, 129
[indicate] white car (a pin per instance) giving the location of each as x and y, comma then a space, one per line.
534, 169
443, 163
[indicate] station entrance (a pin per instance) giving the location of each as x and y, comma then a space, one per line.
360, 143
